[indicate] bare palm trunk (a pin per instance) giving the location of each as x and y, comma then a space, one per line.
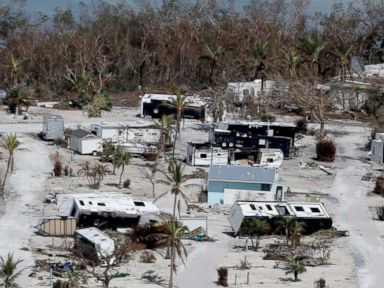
172, 265
121, 174
6, 175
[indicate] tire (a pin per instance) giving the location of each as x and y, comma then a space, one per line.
231, 144
224, 144
94, 153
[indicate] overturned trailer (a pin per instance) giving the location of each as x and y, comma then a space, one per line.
157, 105
105, 210
312, 214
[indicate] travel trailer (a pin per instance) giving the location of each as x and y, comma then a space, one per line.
93, 244
53, 127
255, 135
203, 154
312, 214
104, 209
143, 133
83, 142
156, 105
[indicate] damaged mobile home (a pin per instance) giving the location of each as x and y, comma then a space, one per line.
204, 154
107, 210
255, 135
312, 214
156, 105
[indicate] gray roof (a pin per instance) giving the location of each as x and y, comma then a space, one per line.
80, 133
242, 174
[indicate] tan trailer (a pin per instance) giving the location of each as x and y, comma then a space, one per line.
57, 226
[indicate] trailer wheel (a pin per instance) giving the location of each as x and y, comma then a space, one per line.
224, 144
94, 153
231, 144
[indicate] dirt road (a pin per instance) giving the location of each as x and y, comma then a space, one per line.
21, 212
202, 262
352, 212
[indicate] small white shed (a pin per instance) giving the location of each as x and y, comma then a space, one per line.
83, 142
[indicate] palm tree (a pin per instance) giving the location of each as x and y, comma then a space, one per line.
343, 56
11, 143
212, 55
166, 128
291, 60
260, 58
179, 104
120, 159
171, 236
14, 67
284, 223
314, 50
176, 180
254, 228
8, 271
295, 266
16, 101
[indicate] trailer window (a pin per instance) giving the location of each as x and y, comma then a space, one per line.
299, 208
81, 202
252, 206
265, 187
261, 208
137, 203
203, 155
269, 207
101, 204
90, 203
315, 210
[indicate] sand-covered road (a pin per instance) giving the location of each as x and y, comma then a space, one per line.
352, 212
26, 186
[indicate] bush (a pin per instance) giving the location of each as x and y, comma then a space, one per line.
222, 276
147, 257
380, 213
379, 186
244, 264
320, 283
127, 183
68, 171
301, 125
61, 142
57, 169
326, 150
265, 117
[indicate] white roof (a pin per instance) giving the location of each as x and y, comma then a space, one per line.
223, 125
119, 203
374, 70
193, 100
270, 209
103, 243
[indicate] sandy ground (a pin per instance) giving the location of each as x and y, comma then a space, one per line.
204, 258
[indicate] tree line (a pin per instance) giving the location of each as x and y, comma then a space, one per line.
106, 48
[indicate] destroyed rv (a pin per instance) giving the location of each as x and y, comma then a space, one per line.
312, 214
156, 105
105, 210
254, 135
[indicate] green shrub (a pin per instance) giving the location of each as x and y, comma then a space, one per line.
301, 125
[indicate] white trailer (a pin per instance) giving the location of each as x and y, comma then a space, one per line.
84, 143
240, 90
202, 154
313, 214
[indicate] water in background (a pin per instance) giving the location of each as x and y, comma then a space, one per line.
48, 6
